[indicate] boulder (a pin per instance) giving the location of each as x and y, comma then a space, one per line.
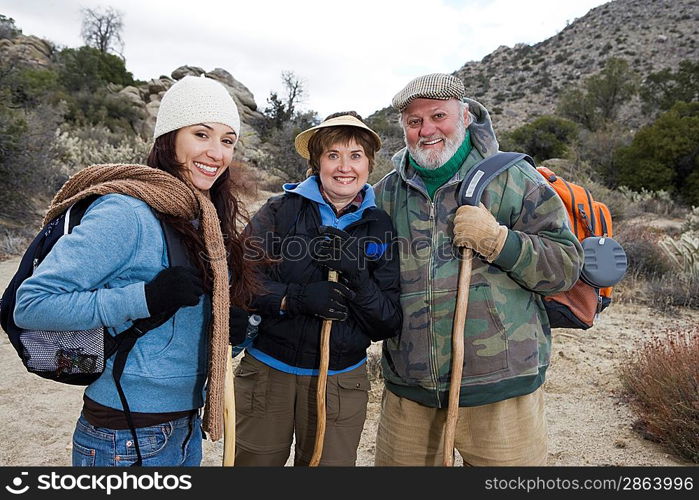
155, 86
28, 50
183, 71
243, 94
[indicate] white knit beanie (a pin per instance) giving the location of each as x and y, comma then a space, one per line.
196, 99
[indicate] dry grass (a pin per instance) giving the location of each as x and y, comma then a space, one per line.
662, 383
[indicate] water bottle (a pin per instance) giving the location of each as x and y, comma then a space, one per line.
254, 321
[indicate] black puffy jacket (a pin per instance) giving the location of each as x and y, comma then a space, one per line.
374, 313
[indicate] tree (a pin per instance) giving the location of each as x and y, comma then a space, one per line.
8, 28
281, 110
101, 29
601, 96
664, 155
663, 89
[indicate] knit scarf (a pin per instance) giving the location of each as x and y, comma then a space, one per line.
169, 195
434, 178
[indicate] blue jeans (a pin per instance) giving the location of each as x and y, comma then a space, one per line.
174, 443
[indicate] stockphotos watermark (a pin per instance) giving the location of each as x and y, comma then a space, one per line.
108, 483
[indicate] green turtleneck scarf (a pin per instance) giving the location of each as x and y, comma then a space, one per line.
434, 178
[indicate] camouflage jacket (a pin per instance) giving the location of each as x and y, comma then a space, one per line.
507, 335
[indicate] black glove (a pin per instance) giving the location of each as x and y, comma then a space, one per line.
341, 252
325, 299
171, 289
237, 325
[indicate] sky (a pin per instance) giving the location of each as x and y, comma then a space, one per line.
349, 55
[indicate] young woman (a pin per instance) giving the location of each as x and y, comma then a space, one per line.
114, 269
328, 221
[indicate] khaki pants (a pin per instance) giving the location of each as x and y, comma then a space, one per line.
509, 432
273, 407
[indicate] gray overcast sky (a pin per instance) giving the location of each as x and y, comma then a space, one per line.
350, 55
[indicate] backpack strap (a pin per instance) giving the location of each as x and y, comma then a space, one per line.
176, 252
480, 175
603, 222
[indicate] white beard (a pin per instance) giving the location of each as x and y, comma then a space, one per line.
435, 159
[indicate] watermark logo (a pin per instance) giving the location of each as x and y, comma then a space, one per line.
16, 488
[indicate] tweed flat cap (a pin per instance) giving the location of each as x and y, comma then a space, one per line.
434, 86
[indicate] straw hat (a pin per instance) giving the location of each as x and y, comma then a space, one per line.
301, 141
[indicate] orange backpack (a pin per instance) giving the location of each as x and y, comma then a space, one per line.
578, 307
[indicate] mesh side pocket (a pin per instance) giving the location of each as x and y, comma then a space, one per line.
66, 355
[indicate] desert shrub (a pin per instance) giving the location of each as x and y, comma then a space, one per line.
382, 166
385, 122
85, 146
278, 153
673, 291
373, 365
692, 221
616, 202
661, 380
645, 256
14, 241
683, 252
597, 148
29, 169
653, 202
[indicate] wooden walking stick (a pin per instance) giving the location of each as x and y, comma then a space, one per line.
470, 193
457, 355
229, 413
322, 384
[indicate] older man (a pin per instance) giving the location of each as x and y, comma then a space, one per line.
524, 249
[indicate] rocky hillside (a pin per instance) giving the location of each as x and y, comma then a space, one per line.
31, 51
517, 83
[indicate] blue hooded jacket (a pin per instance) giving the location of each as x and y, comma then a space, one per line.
95, 276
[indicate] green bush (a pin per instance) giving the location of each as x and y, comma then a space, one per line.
86, 68
664, 155
544, 138
30, 86
101, 107
661, 380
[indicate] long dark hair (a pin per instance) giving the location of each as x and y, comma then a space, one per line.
232, 215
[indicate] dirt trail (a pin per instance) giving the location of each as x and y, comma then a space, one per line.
588, 423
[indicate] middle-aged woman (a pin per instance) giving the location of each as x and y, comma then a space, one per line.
114, 269
328, 221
